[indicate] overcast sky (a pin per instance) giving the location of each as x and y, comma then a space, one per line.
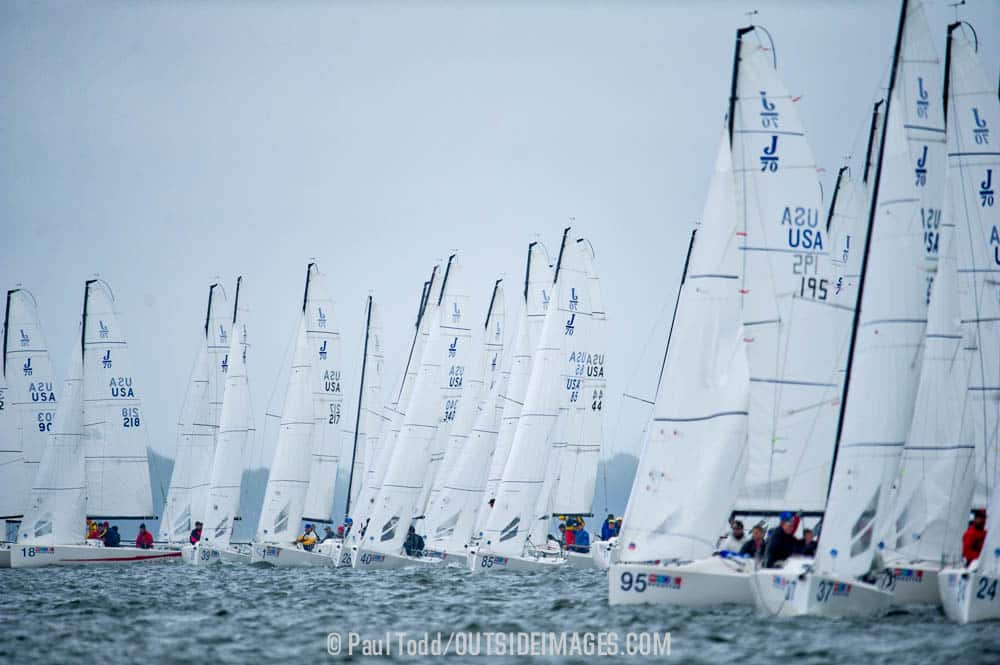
161, 144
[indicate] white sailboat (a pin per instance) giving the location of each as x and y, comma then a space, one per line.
198, 428
94, 464
973, 114
698, 434
392, 424
452, 511
301, 482
882, 374
516, 535
28, 393
536, 298
235, 436
434, 404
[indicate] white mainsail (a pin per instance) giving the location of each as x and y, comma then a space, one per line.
187, 496
29, 401
118, 484
577, 455
974, 172
459, 390
794, 329
57, 506
235, 437
884, 369
536, 297
553, 385
479, 378
452, 511
695, 452
323, 335
433, 405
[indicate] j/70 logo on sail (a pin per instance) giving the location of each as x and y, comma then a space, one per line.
768, 117
769, 156
980, 131
922, 104
986, 190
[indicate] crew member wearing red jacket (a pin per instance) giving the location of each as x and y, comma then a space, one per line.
144, 541
972, 539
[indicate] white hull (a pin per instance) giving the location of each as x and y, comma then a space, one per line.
487, 563
72, 555
968, 596
366, 560
288, 556
914, 582
798, 591
580, 560
458, 559
203, 555
703, 583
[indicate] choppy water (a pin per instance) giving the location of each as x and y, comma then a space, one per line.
249, 614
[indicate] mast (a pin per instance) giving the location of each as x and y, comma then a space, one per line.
872, 207
83, 324
527, 270
493, 299
236, 300
562, 247
305, 296
673, 318
731, 119
833, 200
424, 298
6, 328
947, 68
357, 420
444, 282
871, 139
208, 313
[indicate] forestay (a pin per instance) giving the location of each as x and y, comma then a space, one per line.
370, 418
114, 423
695, 452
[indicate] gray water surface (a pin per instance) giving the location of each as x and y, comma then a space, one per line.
175, 613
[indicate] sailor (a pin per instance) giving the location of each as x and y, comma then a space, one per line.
348, 523
736, 539
328, 533
582, 541
569, 535
144, 541
195, 533
307, 539
103, 529
93, 532
754, 547
972, 539
111, 537
414, 544
608, 528
618, 526
782, 543
808, 543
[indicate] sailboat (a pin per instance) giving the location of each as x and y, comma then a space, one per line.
452, 510
973, 114
368, 421
28, 397
517, 535
883, 366
198, 428
535, 301
435, 402
301, 483
698, 433
94, 464
235, 435
392, 424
